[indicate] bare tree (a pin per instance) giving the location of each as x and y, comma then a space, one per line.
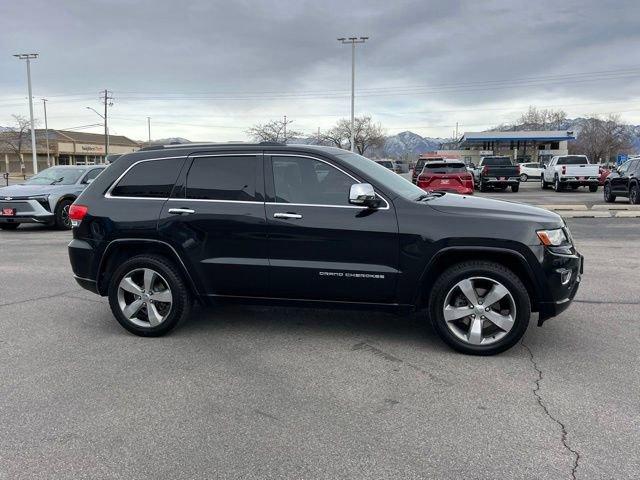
602, 139
17, 137
367, 134
273, 131
545, 119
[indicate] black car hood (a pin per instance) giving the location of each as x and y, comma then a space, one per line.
489, 208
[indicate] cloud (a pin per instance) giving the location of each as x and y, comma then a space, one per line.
210, 69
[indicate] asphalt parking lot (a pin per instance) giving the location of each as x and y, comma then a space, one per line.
531, 192
256, 392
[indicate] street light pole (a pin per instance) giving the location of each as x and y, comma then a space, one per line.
46, 130
106, 129
149, 129
353, 41
28, 57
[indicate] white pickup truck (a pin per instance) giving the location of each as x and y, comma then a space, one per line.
570, 170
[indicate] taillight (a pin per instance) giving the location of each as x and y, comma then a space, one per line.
77, 213
518, 167
564, 170
485, 169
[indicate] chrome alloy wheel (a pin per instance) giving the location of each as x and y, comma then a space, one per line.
66, 221
479, 310
144, 297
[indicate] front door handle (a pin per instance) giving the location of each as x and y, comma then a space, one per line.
287, 215
180, 211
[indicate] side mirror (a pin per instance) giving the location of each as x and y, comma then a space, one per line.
363, 194
89, 180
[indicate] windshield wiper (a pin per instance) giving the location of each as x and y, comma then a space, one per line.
57, 181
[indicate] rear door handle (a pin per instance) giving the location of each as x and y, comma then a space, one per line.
287, 215
180, 211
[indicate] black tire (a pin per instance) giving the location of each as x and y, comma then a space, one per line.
181, 295
483, 186
593, 188
9, 226
634, 194
524, 177
575, 187
557, 186
543, 184
490, 270
515, 188
608, 196
61, 215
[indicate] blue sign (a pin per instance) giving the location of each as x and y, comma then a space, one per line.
621, 158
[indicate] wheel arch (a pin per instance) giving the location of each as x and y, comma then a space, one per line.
120, 250
509, 258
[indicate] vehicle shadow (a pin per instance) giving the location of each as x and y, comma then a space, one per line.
275, 320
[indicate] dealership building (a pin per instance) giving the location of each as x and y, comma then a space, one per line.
65, 148
521, 146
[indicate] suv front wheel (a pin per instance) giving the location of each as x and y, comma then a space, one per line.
148, 296
479, 308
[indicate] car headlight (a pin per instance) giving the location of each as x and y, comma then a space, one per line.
42, 200
553, 238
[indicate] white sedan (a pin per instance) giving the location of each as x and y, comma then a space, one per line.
530, 170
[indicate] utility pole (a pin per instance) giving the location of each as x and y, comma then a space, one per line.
107, 99
46, 130
285, 129
456, 131
149, 129
28, 57
353, 41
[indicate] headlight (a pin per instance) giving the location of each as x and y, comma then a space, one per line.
553, 238
42, 200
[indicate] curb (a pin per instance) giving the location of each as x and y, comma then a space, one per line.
596, 211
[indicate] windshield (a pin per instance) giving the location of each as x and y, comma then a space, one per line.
56, 176
434, 167
573, 160
386, 164
383, 176
498, 161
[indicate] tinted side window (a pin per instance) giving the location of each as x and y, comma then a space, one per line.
154, 179
624, 167
223, 178
308, 181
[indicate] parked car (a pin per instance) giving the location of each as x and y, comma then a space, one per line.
496, 172
417, 169
45, 197
446, 176
530, 170
400, 167
570, 171
624, 181
257, 223
386, 164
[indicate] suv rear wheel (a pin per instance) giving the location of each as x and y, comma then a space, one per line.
148, 296
479, 308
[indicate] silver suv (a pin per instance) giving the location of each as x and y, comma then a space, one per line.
45, 197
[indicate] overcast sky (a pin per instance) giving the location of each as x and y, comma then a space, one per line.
207, 70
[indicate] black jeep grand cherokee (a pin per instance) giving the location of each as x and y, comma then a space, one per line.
314, 226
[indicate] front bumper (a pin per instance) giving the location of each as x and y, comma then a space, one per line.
27, 211
563, 276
